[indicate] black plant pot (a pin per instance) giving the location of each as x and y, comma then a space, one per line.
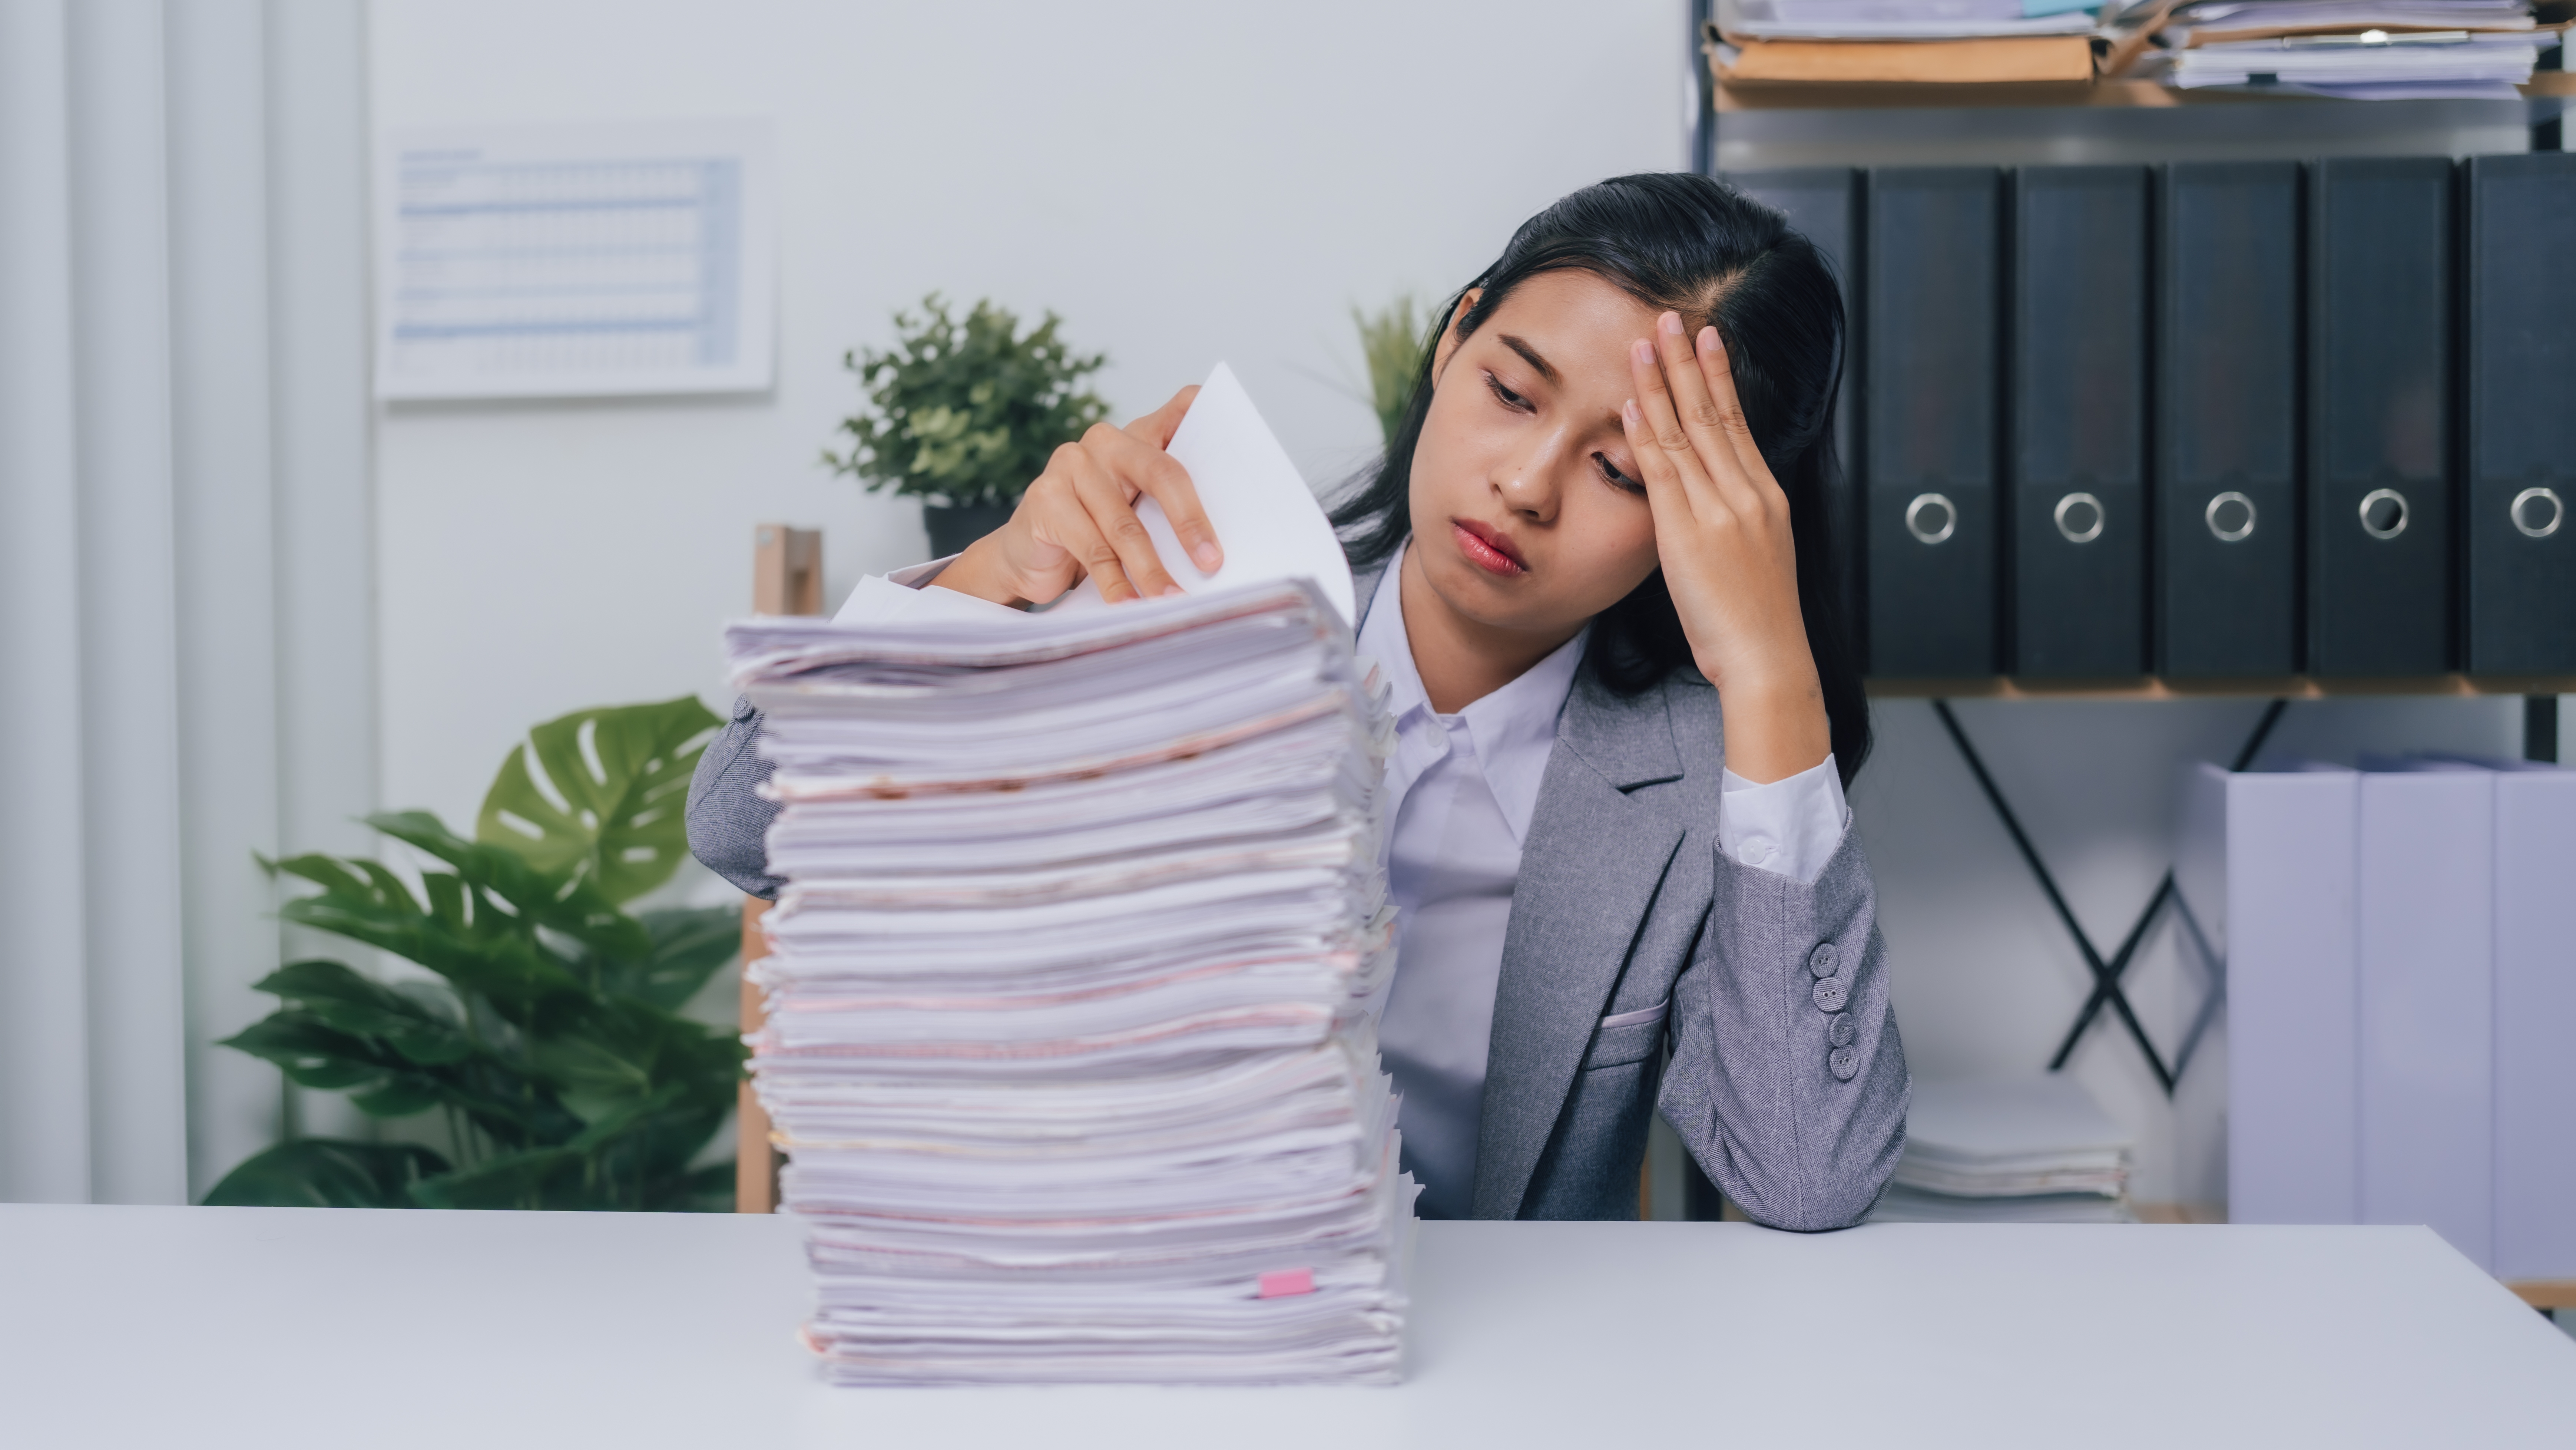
954, 526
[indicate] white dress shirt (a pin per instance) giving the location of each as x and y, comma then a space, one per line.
1460, 792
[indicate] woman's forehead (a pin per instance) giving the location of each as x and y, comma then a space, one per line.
1580, 323
1571, 300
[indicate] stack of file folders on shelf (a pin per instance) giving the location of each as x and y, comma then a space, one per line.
1066, 1042
2009, 1150
2353, 49
1904, 41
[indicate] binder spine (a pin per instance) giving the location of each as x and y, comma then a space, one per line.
2379, 455
1932, 420
2519, 473
2076, 539
1824, 203
2226, 420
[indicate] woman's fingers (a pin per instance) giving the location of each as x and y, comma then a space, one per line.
1665, 442
1158, 426
1121, 558
1079, 517
1717, 372
1695, 402
1060, 533
1667, 498
1146, 469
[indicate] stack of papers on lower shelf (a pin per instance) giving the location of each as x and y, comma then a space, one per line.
2009, 1150
1066, 1041
2357, 49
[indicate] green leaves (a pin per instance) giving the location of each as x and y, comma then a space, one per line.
1393, 345
328, 1173
688, 946
610, 804
338, 1000
966, 412
550, 1041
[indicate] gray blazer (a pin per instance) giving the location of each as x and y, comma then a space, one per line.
1624, 905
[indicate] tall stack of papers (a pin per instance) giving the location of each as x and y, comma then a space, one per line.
2357, 49
2012, 1150
1066, 1040
1869, 41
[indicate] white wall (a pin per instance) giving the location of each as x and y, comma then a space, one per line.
1182, 182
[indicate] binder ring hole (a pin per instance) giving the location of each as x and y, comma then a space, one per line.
2079, 518
2536, 511
2383, 513
2230, 516
1932, 518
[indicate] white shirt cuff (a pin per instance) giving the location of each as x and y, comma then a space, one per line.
899, 598
1791, 826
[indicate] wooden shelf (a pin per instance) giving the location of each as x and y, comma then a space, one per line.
2545, 1293
2295, 687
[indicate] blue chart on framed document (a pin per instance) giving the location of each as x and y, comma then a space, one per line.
575, 261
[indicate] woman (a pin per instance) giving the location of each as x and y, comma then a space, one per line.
1595, 567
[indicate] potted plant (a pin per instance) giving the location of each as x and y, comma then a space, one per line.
963, 414
549, 1041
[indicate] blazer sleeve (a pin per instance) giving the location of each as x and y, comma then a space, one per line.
1787, 1080
728, 820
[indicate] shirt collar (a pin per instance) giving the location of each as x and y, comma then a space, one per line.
1513, 729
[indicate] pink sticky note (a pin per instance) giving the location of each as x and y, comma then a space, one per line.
1280, 1283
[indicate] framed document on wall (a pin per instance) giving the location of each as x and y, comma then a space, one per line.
575, 261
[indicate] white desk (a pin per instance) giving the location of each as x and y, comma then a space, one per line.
198, 1327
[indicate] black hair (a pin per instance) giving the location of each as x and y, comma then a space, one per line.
1693, 245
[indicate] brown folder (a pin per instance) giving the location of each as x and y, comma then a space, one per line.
1982, 61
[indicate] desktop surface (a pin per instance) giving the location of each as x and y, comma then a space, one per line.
293, 1327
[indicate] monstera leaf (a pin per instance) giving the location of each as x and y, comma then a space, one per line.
546, 1031
601, 791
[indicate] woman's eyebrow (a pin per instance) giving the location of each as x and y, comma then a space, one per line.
1530, 355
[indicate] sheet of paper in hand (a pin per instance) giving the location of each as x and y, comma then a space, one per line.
1265, 516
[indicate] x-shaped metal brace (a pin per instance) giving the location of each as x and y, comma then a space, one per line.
2107, 990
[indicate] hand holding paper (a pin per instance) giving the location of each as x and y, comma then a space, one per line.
1218, 458
1268, 520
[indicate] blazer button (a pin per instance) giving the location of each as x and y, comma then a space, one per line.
1841, 1032
1831, 994
1843, 1062
1821, 961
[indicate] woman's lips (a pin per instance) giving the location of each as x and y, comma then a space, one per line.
1487, 548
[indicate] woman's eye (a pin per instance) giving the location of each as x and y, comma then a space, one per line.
1611, 475
1508, 398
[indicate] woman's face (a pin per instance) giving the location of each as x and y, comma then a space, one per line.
1528, 511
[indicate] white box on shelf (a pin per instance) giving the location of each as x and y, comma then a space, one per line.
2427, 913
2535, 1024
2285, 926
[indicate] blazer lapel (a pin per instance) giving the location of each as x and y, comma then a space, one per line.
1364, 589
1594, 858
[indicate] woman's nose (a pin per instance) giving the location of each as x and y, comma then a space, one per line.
1529, 489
